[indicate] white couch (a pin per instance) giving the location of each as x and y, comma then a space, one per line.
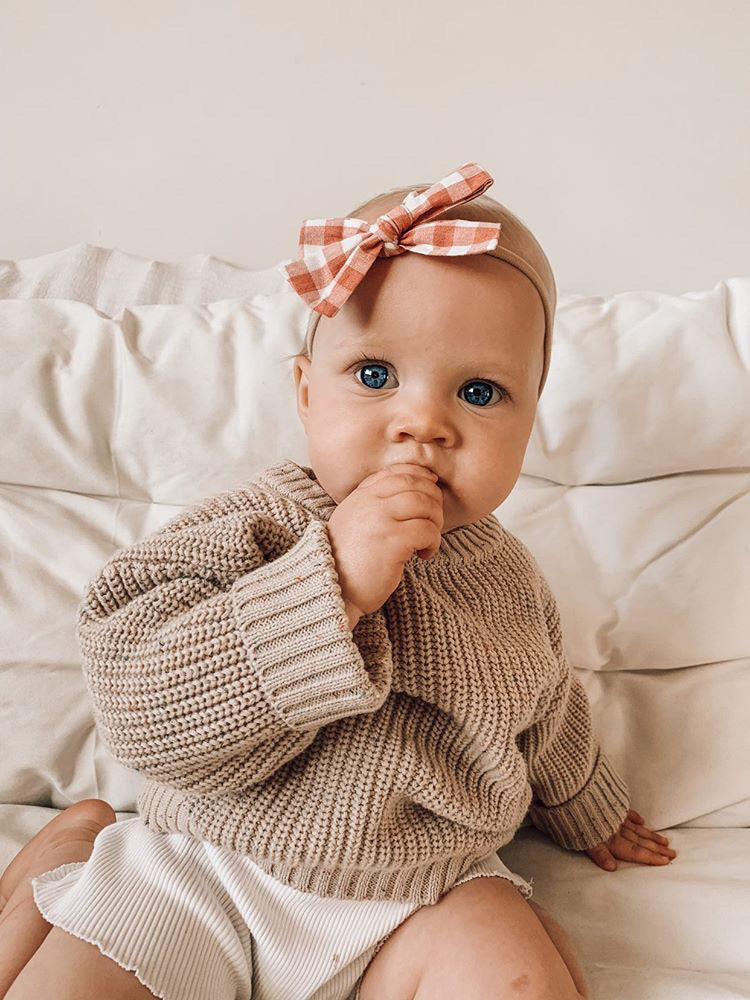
131, 388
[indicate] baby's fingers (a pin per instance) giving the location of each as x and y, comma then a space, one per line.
601, 856
627, 832
638, 823
642, 835
638, 851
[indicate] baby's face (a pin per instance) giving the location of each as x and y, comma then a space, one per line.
431, 360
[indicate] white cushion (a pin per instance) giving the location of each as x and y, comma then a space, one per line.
110, 279
114, 426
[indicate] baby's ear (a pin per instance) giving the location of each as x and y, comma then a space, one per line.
301, 371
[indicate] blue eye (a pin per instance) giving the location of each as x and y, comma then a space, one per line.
479, 391
481, 395
374, 377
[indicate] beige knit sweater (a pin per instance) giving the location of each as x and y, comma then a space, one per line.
377, 763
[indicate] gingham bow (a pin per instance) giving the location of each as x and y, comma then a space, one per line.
338, 253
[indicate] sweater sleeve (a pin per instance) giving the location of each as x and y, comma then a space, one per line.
579, 799
215, 649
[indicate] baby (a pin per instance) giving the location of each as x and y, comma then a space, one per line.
344, 684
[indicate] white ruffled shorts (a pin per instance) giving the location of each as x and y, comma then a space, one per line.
198, 922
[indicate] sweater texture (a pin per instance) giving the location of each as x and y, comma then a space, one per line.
374, 763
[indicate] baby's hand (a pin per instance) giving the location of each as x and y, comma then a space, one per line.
392, 514
632, 842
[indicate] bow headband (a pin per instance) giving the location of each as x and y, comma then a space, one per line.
338, 252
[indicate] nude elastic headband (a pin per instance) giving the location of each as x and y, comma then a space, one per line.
337, 253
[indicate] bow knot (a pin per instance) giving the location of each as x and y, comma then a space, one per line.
389, 227
337, 253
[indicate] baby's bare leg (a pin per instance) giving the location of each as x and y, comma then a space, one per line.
481, 941
68, 837
71, 969
561, 940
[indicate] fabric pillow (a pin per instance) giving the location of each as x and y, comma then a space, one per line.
116, 425
111, 280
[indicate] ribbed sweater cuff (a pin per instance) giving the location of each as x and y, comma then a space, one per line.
292, 617
592, 815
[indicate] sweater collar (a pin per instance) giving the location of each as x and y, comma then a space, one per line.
467, 542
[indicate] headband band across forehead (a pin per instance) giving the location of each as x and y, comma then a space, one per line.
337, 253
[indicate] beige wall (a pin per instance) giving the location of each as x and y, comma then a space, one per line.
618, 131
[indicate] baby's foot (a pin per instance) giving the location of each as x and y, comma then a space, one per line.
68, 837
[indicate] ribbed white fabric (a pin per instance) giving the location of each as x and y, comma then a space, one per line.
198, 922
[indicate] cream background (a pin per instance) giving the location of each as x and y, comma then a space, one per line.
618, 132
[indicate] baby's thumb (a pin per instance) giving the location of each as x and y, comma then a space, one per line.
602, 856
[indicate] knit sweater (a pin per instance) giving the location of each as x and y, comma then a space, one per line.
373, 763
